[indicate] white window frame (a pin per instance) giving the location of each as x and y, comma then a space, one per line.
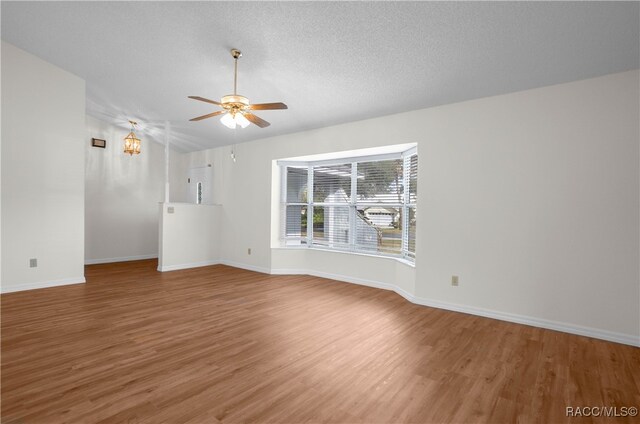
353, 203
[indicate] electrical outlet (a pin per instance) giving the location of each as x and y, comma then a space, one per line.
170, 209
454, 280
33, 263
248, 251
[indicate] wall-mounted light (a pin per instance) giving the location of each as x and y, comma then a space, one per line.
131, 142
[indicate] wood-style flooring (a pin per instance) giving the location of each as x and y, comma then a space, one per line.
220, 344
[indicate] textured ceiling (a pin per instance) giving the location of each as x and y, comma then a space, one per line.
330, 62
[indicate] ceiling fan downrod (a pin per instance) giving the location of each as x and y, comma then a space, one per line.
236, 55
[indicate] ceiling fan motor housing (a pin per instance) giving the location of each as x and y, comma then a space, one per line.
234, 101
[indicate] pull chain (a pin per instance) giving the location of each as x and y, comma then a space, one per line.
233, 148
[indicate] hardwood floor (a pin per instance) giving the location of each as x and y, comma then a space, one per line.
219, 344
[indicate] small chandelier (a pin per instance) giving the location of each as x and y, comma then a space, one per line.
131, 142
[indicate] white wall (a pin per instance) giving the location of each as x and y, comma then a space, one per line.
178, 170
532, 198
42, 172
189, 236
122, 193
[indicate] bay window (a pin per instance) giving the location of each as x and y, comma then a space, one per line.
362, 204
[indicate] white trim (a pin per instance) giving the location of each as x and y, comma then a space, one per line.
487, 313
310, 210
245, 266
42, 285
359, 153
342, 160
214, 262
410, 152
120, 259
166, 268
532, 321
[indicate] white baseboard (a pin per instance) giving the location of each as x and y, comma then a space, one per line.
214, 262
245, 266
487, 313
42, 285
186, 266
532, 321
120, 259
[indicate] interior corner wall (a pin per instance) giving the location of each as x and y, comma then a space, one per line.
531, 198
178, 172
189, 236
122, 194
43, 113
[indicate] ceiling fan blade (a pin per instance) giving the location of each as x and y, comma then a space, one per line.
202, 99
267, 106
256, 120
210, 115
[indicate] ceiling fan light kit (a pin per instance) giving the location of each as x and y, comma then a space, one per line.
236, 109
233, 119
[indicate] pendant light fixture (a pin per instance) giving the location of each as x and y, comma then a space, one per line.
131, 141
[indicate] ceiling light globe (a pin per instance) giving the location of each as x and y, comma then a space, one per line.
228, 121
241, 120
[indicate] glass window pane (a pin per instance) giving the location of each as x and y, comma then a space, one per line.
411, 242
296, 222
332, 184
331, 226
379, 229
380, 181
297, 184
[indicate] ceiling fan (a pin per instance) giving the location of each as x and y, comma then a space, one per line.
236, 108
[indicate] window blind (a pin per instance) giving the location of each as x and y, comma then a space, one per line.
332, 184
380, 181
